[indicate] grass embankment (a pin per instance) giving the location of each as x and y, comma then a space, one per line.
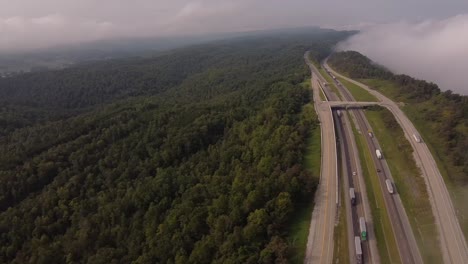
358, 93
408, 181
382, 228
299, 227
458, 193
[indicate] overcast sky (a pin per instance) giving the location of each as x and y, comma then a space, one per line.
424, 38
39, 23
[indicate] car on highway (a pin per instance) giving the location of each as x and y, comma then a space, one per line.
354, 173
378, 170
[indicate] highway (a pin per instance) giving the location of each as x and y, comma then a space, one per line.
406, 242
320, 240
350, 163
452, 240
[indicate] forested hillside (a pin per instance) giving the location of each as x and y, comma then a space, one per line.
194, 156
443, 116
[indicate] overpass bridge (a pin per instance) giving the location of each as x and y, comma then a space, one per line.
351, 104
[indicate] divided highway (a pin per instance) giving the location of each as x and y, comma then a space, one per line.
406, 242
350, 165
320, 242
453, 243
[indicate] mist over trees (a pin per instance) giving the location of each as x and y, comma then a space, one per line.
431, 49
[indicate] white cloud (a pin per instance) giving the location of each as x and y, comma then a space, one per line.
434, 50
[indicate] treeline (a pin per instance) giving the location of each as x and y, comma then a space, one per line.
191, 157
444, 114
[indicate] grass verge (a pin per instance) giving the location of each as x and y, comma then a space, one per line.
340, 249
408, 181
299, 227
322, 96
386, 243
358, 93
330, 82
458, 193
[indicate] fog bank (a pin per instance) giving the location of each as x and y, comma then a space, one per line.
433, 50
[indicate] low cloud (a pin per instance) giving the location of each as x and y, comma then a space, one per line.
433, 50
21, 33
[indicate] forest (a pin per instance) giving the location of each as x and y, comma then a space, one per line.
443, 114
190, 156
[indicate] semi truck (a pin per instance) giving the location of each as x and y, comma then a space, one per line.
352, 196
357, 244
362, 227
389, 186
378, 153
417, 138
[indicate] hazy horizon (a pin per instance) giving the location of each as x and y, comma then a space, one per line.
396, 34
28, 24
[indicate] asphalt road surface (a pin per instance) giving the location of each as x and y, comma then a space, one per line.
320, 240
452, 240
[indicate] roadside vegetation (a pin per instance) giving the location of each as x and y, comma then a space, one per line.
408, 181
300, 224
440, 117
383, 231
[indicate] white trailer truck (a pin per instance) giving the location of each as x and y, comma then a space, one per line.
389, 186
357, 244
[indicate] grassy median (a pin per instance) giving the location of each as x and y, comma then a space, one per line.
330, 82
358, 93
382, 228
408, 181
340, 235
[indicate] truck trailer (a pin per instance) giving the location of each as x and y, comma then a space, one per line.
378, 153
362, 227
417, 138
357, 244
352, 196
389, 186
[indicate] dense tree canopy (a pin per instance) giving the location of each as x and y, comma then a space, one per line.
444, 114
194, 156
